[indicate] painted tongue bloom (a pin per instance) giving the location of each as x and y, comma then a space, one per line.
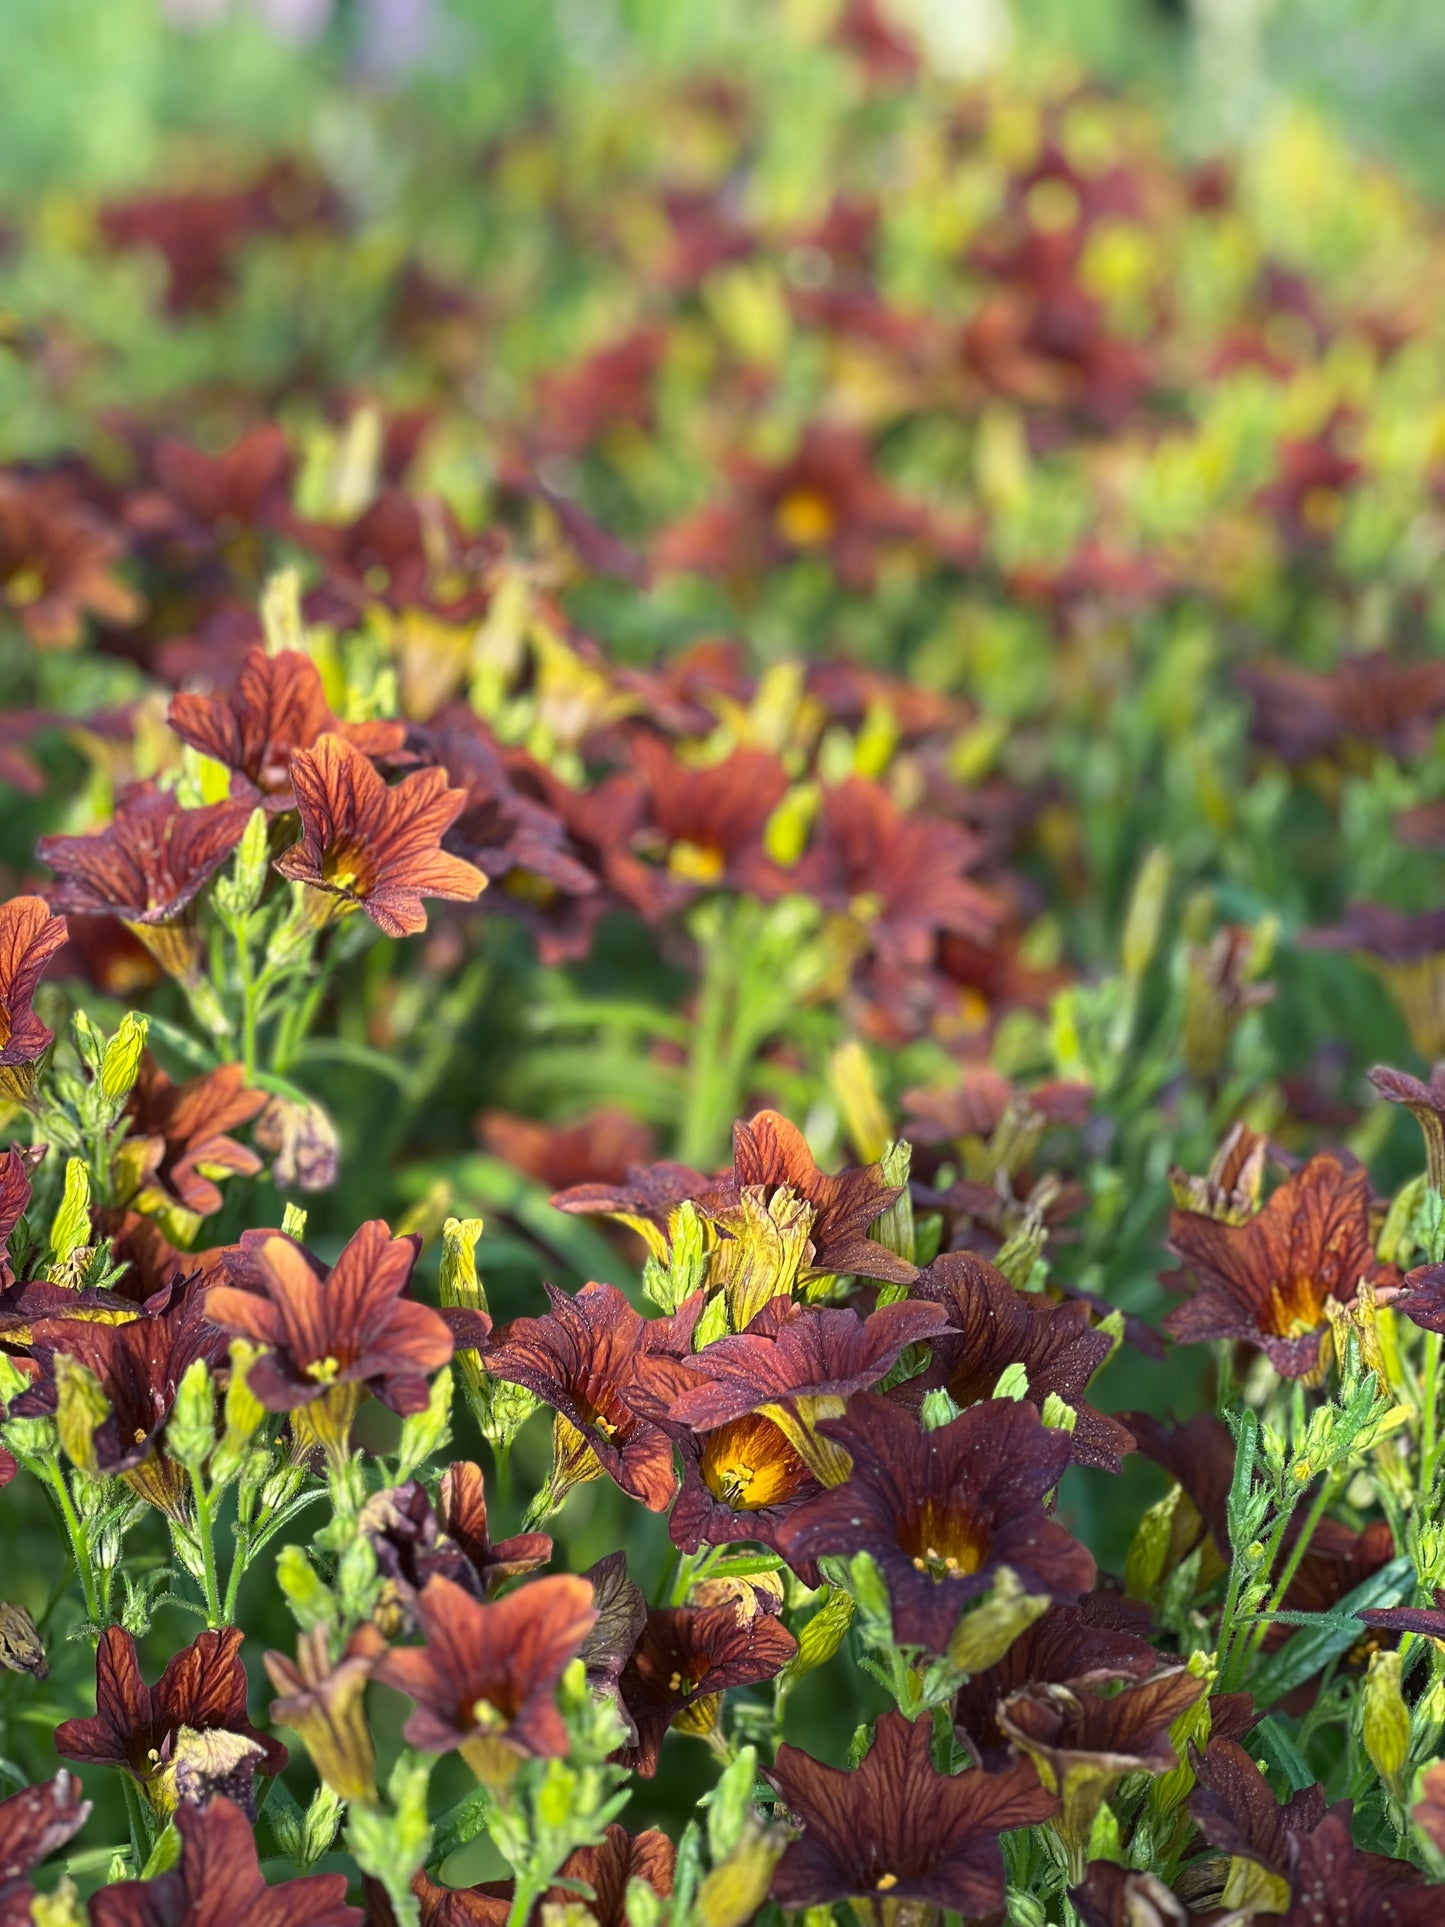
943, 1512
30, 935
147, 867
371, 847
604, 1872
218, 1879
33, 1823
414, 1541
1268, 1281
179, 1140
583, 1359
276, 707
484, 1680
186, 1738
684, 1660
896, 1829
329, 1337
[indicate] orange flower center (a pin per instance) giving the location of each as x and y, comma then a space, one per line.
695, 862
750, 1464
1295, 1308
945, 1542
804, 519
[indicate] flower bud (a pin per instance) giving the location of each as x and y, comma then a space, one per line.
21, 1647
191, 1433
81, 1406
120, 1066
984, 1635
1386, 1721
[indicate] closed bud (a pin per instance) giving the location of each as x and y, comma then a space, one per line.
1058, 1415
1013, 1382
673, 1275
786, 833
894, 1230
821, 1637
62, 1908
293, 1222
1144, 920
304, 1591
737, 1886
89, 1044
191, 1434
238, 894
645, 1905
70, 1231
120, 1065
938, 1409
323, 1817
865, 1119
1025, 1910
730, 1803
1385, 1721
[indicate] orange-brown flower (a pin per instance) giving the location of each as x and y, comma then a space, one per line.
330, 1336
1370, 701
603, 1872
703, 828
600, 1148
413, 1541
56, 558
686, 1657
582, 1359
895, 1828
203, 504
33, 1823
143, 1728
483, 1682
179, 1141
147, 866
218, 1878
29, 937
275, 707
374, 847
1266, 1282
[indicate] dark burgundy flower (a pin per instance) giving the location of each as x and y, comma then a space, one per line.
621, 1608
56, 562
413, 1542
576, 405
901, 877
139, 1355
218, 1879
792, 1357
942, 1512
275, 707
1372, 700
204, 504
30, 935
582, 1359
1426, 1103
483, 1682
994, 1326
1408, 951
896, 1829
33, 1823
1267, 1281
1429, 1621
147, 866
374, 847
604, 1872
644, 1201
1235, 1809
151, 1731
329, 1337
1094, 1643
1113, 1896
685, 1659
1333, 1884
179, 1139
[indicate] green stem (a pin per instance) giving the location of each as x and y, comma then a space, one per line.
51, 1475
237, 1573
205, 1533
710, 1105
1430, 1417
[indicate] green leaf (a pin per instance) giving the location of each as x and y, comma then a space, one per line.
1324, 1636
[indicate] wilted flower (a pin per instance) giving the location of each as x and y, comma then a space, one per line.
685, 1658
30, 935
413, 1542
483, 1682
1084, 1743
1094, 1643
330, 1337
896, 1829
1267, 1281
275, 707
371, 847
1113, 1896
583, 1360
33, 1823
942, 1512
995, 1326
153, 1731
324, 1701
147, 866
218, 1869
302, 1140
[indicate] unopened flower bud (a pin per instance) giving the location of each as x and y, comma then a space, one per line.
1385, 1720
